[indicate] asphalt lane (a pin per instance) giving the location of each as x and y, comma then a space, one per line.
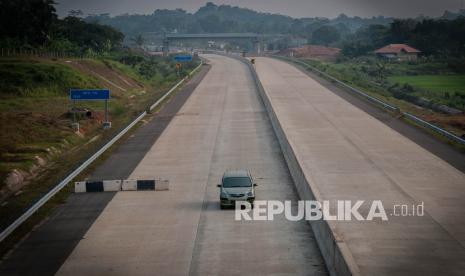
182, 231
48, 246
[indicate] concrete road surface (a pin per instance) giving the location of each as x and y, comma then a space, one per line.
348, 155
182, 231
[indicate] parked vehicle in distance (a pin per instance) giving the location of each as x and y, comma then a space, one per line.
236, 185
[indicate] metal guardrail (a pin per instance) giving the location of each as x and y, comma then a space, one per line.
84, 165
387, 106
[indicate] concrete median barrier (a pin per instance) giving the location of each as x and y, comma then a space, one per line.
162, 185
338, 258
97, 186
145, 185
121, 185
129, 185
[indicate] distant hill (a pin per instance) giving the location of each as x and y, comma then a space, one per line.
211, 18
453, 15
224, 18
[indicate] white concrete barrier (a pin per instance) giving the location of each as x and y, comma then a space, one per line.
121, 185
162, 185
129, 185
97, 186
80, 187
112, 185
145, 185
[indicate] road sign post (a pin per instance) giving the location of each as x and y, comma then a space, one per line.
91, 94
179, 59
106, 123
178, 69
75, 122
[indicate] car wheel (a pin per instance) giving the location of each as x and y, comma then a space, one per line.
222, 207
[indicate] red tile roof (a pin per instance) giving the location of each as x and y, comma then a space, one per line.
396, 48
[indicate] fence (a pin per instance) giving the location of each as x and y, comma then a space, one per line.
21, 52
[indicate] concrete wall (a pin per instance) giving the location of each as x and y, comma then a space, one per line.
338, 258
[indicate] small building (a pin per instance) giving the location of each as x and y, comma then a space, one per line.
399, 52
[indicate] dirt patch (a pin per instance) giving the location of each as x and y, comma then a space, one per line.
39, 138
457, 122
312, 51
17, 179
109, 77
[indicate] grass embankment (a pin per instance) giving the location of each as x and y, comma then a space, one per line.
33, 109
406, 84
37, 139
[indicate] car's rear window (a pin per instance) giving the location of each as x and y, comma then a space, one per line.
230, 182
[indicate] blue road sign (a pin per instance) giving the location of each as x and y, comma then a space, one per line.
183, 58
89, 94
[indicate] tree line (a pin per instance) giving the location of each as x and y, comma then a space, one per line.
443, 36
440, 38
35, 24
213, 18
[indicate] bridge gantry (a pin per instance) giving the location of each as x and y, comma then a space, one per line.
257, 39
167, 38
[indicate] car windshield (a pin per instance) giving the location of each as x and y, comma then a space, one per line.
231, 182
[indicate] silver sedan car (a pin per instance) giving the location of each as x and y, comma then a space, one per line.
236, 185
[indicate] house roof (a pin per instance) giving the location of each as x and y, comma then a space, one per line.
396, 48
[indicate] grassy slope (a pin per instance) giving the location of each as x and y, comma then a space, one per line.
39, 78
34, 103
124, 106
34, 119
33, 100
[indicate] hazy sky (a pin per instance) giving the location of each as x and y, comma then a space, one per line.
294, 8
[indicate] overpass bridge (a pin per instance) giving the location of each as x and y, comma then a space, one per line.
256, 39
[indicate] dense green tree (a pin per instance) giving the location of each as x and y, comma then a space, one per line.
442, 38
365, 40
325, 35
401, 29
225, 18
211, 24
433, 37
98, 38
26, 21
34, 23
